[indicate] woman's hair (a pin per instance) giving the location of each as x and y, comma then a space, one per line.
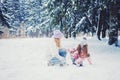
57, 41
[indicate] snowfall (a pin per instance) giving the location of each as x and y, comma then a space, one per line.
25, 59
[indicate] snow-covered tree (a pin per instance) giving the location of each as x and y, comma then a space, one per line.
13, 11
3, 17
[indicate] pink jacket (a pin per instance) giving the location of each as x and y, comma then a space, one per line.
77, 57
74, 53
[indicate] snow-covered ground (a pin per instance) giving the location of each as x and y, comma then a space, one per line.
24, 59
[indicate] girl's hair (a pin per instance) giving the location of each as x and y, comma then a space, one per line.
79, 49
83, 49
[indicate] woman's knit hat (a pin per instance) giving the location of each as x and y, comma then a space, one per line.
57, 34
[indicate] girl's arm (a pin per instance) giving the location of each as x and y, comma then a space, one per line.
72, 50
89, 60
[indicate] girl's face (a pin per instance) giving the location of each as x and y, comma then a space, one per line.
57, 41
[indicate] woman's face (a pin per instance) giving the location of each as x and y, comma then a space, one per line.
57, 41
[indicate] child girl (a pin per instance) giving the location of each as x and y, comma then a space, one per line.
79, 54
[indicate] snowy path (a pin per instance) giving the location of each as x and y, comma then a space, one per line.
24, 59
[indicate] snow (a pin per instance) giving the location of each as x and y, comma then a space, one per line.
80, 22
25, 59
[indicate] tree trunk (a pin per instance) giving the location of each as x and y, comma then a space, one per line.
113, 29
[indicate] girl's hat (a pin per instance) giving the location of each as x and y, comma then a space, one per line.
83, 40
57, 34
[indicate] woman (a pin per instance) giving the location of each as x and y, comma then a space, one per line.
56, 50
